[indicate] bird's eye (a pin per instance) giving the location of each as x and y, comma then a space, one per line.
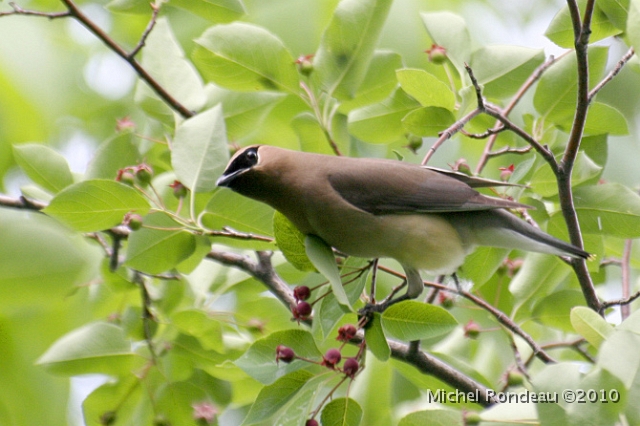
252, 155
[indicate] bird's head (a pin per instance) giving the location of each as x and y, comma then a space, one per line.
242, 162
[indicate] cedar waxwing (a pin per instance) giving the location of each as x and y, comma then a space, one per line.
426, 219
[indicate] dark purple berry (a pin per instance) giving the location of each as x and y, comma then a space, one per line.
284, 354
350, 367
331, 358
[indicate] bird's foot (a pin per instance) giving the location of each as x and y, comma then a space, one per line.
370, 308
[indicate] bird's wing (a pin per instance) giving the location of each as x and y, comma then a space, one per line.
395, 187
473, 181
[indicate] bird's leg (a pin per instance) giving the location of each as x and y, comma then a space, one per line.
456, 281
382, 306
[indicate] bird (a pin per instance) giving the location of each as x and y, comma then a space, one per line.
427, 219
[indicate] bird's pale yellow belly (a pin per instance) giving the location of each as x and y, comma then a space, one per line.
420, 241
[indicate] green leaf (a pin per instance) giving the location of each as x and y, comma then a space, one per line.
44, 166
428, 121
376, 340
273, 397
201, 326
412, 320
347, 45
590, 325
619, 356
112, 155
633, 24
42, 261
556, 93
382, 123
607, 209
545, 183
159, 245
341, 412
126, 394
561, 29
426, 88
310, 134
354, 279
259, 361
555, 309
603, 118
245, 57
501, 70
244, 112
129, 6
229, 209
449, 30
616, 10
378, 83
434, 417
200, 152
606, 399
213, 10
164, 58
299, 407
539, 274
94, 348
94, 205
480, 265
291, 242
323, 259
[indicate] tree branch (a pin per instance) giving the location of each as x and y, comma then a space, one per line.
582, 31
535, 76
499, 315
76, 13
262, 270
428, 364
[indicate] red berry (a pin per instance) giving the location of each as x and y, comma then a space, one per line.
350, 367
285, 354
445, 300
437, 54
301, 292
179, 190
125, 177
144, 173
304, 309
346, 332
331, 358
472, 329
133, 221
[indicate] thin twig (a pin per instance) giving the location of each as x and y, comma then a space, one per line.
76, 13
626, 278
143, 39
509, 150
490, 132
621, 63
620, 302
517, 358
575, 345
535, 76
448, 133
499, 315
17, 10
232, 233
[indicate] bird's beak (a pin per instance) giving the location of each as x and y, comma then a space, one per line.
225, 179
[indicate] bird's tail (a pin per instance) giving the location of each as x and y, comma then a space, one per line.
499, 228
